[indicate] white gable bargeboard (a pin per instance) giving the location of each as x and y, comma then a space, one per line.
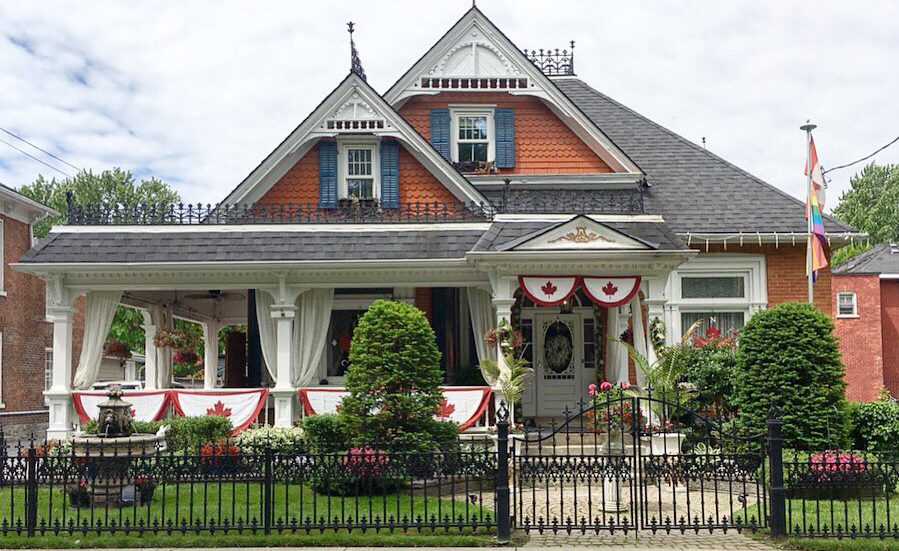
581, 234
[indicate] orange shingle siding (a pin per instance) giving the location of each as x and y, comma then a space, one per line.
300, 184
543, 144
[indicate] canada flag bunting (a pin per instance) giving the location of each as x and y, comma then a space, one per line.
240, 406
146, 405
548, 290
611, 291
604, 291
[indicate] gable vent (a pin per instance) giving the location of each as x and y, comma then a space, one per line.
474, 83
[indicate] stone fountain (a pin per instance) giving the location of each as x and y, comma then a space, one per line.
107, 456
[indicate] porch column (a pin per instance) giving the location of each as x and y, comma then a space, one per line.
150, 364
503, 300
283, 314
60, 310
655, 313
211, 359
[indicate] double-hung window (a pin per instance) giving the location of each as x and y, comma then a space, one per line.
473, 136
360, 170
847, 305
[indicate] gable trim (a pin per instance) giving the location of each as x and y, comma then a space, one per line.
388, 123
520, 244
538, 84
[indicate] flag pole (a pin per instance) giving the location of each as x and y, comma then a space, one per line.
808, 127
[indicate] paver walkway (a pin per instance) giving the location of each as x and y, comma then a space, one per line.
731, 541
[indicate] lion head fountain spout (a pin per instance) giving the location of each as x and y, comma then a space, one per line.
115, 415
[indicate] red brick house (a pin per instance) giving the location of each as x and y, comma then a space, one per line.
489, 184
26, 344
866, 312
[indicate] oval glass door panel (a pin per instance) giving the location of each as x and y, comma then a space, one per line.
558, 349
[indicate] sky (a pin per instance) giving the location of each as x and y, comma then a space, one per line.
197, 93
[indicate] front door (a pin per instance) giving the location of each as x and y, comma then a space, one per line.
558, 362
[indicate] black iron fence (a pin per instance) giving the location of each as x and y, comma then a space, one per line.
219, 487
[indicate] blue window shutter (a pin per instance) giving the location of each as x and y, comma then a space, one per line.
327, 174
504, 122
440, 132
390, 174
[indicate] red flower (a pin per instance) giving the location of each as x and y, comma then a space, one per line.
219, 409
609, 289
445, 409
713, 333
549, 289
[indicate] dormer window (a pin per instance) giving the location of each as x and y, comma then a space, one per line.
473, 136
359, 175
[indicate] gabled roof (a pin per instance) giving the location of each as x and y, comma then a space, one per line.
882, 258
475, 32
15, 205
354, 100
692, 188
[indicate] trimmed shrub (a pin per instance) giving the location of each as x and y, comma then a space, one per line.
326, 432
788, 356
875, 426
189, 432
281, 440
394, 378
711, 369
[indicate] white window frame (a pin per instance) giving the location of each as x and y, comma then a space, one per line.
748, 266
472, 111
2, 260
48, 368
854, 295
343, 146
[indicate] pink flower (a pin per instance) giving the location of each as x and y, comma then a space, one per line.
592, 391
625, 385
592, 386
605, 386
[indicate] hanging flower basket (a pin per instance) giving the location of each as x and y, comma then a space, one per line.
118, 349
174, 338
185, 357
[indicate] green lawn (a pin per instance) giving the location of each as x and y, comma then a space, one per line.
844, 544
824, 516
185, 507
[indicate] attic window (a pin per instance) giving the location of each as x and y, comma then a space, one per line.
360, 174
473, 136
847, 305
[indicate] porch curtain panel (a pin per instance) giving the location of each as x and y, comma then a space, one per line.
310, 333
267, 331
480, 306
99, 310
640, 344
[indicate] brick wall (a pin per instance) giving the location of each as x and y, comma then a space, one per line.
424, 297
785, 270
25, 331
543, 143
300, 184
861, 337
889, 303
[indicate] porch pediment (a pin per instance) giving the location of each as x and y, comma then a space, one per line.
579, 233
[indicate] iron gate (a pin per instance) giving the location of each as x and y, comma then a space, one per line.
638, 463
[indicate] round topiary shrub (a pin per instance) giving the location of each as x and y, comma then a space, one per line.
788, 356
394, 378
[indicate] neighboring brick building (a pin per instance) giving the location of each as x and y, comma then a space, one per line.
866, 311
26, 341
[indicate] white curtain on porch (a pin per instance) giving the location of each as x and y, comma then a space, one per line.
164, 354
480, 305
267, 332
639, 334
310, 333
99, 310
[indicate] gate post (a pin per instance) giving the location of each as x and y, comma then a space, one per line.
503, 514
267, 493
777, 508
31, 491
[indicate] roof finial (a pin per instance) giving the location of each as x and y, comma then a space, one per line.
355, 62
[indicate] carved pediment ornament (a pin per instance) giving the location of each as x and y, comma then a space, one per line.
581, 235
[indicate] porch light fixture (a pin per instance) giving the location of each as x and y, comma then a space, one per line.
566, 307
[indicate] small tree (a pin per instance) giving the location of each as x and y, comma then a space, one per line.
394, 378
788, 356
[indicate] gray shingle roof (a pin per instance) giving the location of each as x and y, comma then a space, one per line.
248, 246
692, 188
879, 259
502, 235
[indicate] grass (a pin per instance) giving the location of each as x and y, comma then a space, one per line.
844, 544
824, 516
184, 507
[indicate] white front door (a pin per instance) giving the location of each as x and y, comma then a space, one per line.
558, 362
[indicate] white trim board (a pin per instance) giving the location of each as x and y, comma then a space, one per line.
276, 228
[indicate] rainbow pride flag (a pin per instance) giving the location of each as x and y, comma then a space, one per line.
813, 208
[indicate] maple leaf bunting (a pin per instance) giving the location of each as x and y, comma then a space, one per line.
219, 409
609, 289
445, 409
549, 289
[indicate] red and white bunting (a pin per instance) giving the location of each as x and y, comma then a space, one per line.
146, 405
548, 290
240, 406
610, 291
461, 405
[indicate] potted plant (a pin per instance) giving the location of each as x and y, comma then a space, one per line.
144, 486
174, 338
511, 380
611, 410
666, 438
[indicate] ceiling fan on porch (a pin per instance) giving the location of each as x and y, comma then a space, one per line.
216, 294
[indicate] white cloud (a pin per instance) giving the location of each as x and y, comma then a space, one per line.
197, 93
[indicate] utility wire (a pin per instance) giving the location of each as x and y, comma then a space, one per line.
862, 159
20, 138
36, 159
